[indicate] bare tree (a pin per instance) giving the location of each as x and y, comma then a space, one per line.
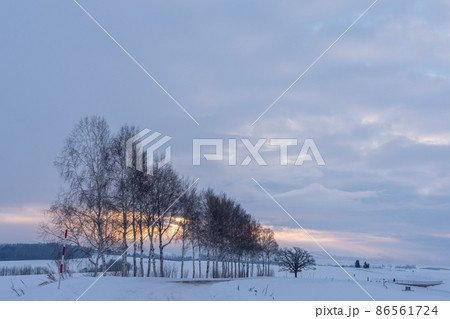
269, 248
189, 217
295, 260
86, 165
165, 190
123, 188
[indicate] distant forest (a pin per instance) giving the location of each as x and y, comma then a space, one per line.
37, 251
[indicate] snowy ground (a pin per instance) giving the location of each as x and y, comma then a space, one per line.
324, 283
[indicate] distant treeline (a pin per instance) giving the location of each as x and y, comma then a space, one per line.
37, 251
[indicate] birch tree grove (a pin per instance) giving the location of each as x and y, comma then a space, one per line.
111, 208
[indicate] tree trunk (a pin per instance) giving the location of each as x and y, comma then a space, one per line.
154, 261
105, 236
223, 267
134, 244
101, 250
258, 267
103, 262
182, 252
124, 244
239, 266
199, 262
207, 264
263, 266
193, 260
216, 273
141, 244
151, 250
248, 266
96, 265
161, 256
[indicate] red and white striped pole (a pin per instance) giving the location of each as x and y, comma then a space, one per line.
62, 260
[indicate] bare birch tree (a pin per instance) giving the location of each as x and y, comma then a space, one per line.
189, 219
123, 178
166, 188
86, 165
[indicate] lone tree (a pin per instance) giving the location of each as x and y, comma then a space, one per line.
366, 265
357, 264
295, 260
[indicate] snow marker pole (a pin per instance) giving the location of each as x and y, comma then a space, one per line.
62, 260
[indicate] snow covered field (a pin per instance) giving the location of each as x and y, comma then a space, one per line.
324, 283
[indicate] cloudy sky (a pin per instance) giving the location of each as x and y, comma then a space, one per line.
376, 105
